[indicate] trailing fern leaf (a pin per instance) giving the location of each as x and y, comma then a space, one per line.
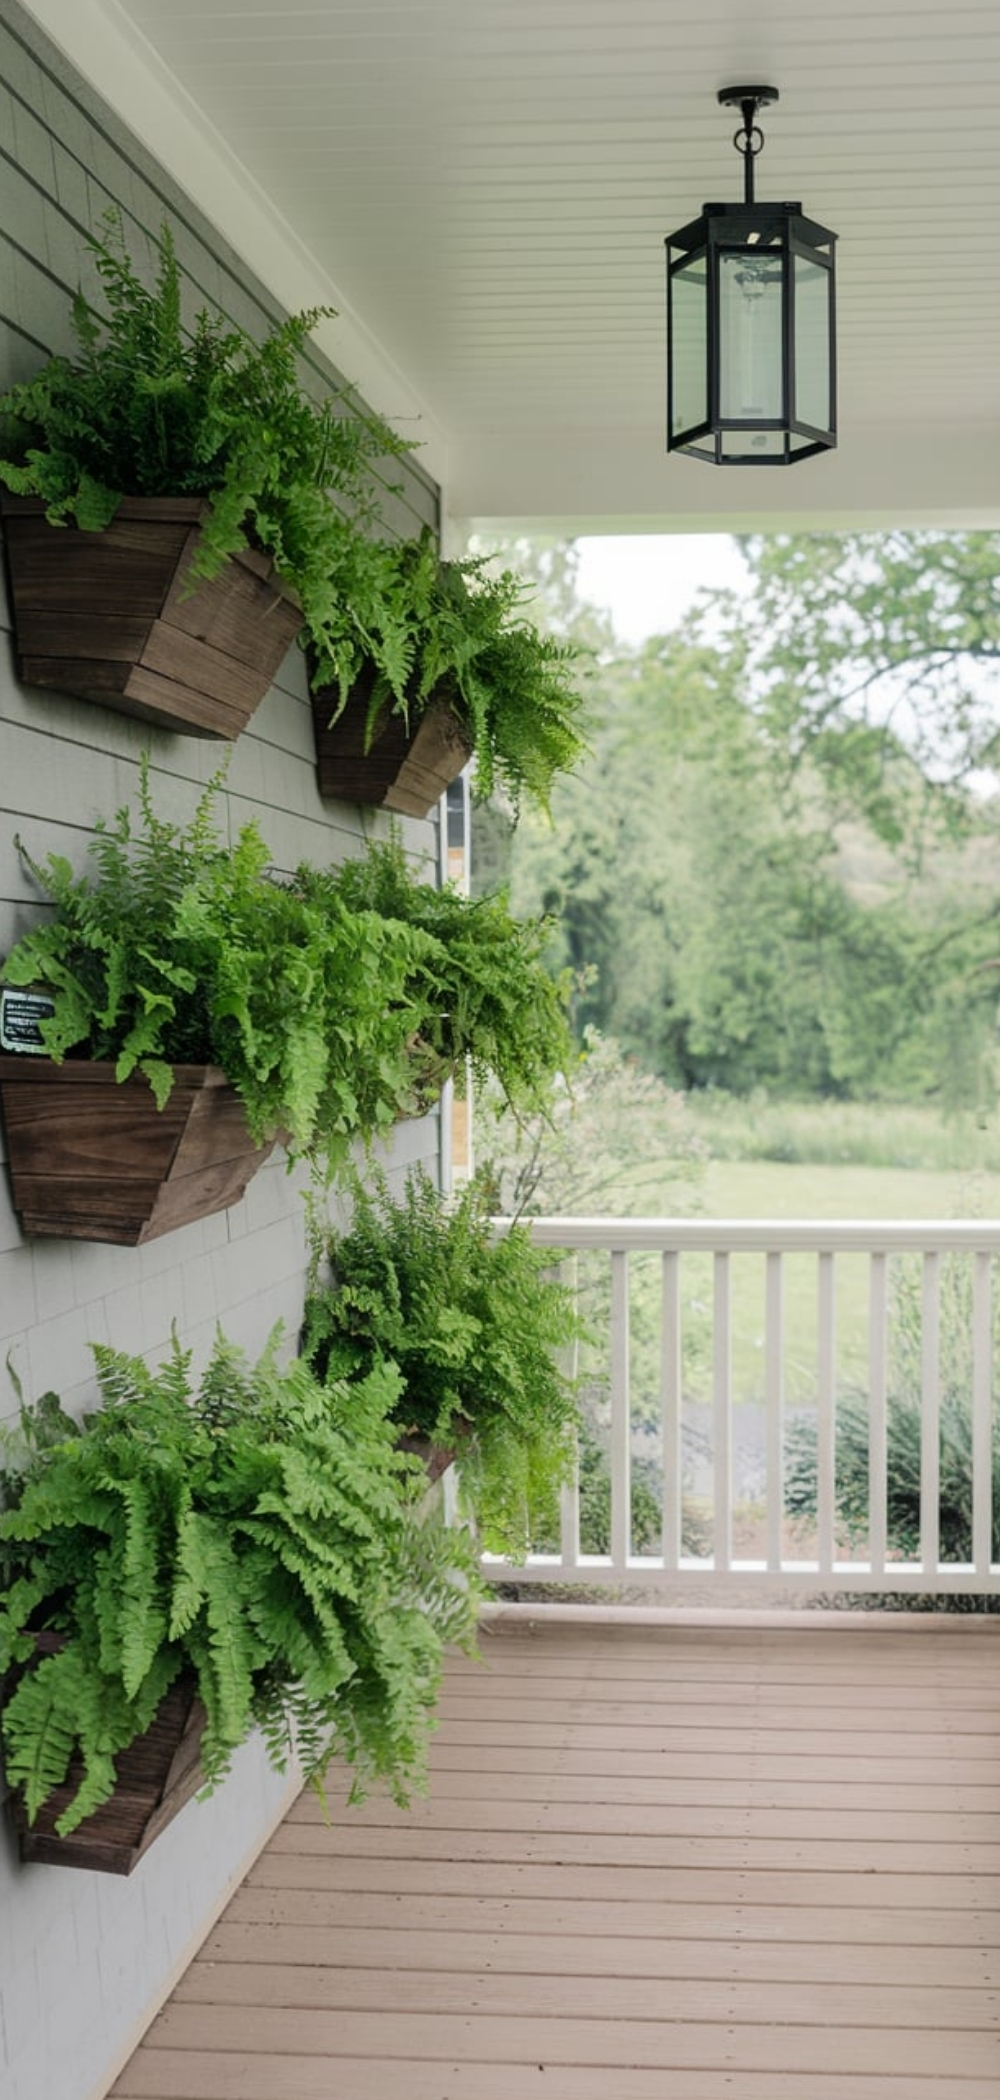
256, 1531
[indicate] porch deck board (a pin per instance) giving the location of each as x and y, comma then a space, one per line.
683, 1863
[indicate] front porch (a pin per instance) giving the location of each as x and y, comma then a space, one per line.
664, 1857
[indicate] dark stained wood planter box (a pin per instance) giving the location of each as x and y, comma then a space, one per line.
157, 1774
436, 1457
91, 1159
405, 768
105, 616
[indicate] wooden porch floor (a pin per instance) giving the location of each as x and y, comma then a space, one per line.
683, 1862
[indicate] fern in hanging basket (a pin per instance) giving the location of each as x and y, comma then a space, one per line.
480, 990
429, 629
148, 407
257, 1529
479, 1327
176, 947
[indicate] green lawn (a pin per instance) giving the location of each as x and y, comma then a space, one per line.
766, 1189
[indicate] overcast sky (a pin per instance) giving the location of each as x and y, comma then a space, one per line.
648, 581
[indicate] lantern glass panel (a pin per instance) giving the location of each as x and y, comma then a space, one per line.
752, 445
751, 378
812, 343
689, 344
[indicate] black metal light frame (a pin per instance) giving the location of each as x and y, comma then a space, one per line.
768, 243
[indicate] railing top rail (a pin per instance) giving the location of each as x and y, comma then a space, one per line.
767, 1235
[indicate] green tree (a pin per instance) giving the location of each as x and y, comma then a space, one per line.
765, 875
873, 661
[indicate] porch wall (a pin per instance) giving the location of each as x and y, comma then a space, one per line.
83, 1957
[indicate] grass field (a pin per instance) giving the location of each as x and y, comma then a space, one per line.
765, 1188
917, 1137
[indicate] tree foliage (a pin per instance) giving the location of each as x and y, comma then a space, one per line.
873, 660
779, 868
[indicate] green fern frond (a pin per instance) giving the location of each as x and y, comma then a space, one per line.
255, 1530
55, 1706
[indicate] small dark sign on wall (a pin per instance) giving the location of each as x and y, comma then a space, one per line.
21, 1012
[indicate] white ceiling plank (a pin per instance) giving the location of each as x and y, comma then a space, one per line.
482, 188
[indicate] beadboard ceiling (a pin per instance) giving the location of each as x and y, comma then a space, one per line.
484, 187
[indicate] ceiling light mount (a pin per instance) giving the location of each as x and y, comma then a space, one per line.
748, 100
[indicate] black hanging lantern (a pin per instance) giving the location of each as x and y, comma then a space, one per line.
751, 371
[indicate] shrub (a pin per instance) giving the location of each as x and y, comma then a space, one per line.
904, 1429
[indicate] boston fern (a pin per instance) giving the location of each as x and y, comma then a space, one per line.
180, 949
334, 1001
259, 1532
479, 979
454, 630
149, 407
477, 1325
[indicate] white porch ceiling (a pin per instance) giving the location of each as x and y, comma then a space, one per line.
483, 187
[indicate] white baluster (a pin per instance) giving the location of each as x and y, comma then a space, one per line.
826, 1411
982, 1413
670, 1411
774, 1400
569, 1497
878, 1356
930, 1415
621, 1440
722, 1385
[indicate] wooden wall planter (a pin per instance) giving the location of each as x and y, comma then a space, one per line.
157, 1774
105, 616
92, 1160
436, 1457
405, 769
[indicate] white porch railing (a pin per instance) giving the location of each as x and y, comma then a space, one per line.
827, 1563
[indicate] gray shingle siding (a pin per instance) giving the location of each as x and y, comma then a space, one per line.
83, 1958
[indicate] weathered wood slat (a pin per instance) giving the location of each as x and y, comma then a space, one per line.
669, 1667
116, 617
612, 1737
883, 1695
756, 1922
594, 1955
839, 1791
490, 1756
931, 1715
640, 2001
534, 1844
168, 2074
405, 768
727, 1886
858, 1635
460, 2036
927, 1827
94, 1159
779, 1888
